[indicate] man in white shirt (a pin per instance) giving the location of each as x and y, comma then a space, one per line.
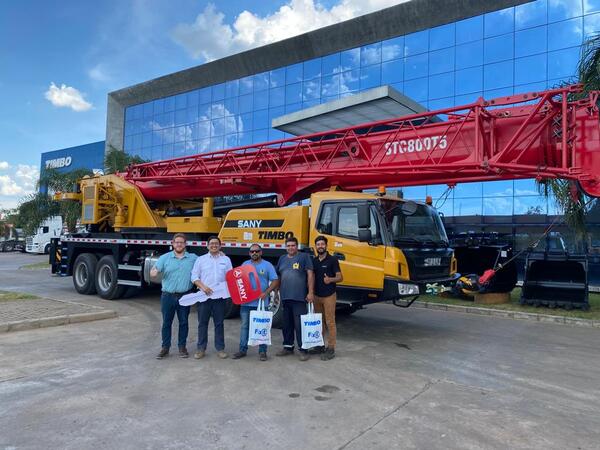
208, 272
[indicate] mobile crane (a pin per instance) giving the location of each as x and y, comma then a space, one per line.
389, 248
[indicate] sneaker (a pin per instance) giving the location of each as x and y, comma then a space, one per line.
199, 354
238, 355
183, 353
223, 355
262, 356
328, 354
285, 352
164, 352
304, 356
316, 350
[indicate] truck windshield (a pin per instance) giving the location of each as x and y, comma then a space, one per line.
424, 226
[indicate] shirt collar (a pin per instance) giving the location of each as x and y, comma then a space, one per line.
173, 255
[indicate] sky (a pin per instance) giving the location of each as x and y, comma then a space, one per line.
59, 60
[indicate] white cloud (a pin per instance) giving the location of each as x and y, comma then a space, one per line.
67, 97
17, 184
209, 37
99, 73
4, 165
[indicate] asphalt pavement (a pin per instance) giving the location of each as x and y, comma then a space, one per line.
412, 378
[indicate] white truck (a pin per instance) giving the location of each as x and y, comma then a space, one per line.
40, 241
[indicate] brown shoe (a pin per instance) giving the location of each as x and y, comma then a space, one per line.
284, 352
163, 353
262, 356
183, 353
304, 356
328, 354
223, 355
316, 350
199, 354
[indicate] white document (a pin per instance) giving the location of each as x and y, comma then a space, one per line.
220, 291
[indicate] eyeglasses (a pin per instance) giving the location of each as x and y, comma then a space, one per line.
254, 251
179, 242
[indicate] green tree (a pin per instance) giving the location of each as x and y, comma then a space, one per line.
117, 161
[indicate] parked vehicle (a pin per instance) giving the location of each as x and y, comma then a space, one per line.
40, 241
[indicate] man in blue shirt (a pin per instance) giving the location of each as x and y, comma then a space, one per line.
268, 283
175, 268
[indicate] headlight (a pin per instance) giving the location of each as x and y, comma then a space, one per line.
408, 289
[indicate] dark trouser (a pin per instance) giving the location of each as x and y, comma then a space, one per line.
292, 310
169, 305
215, 308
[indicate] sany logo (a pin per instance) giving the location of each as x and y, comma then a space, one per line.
237, 273
241, 289
416, 145
249, 223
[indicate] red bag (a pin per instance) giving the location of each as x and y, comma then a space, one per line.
241, 281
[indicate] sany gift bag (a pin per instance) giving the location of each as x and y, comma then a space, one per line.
312, 328
259, 331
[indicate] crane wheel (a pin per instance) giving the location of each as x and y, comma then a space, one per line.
106, 279
84, 272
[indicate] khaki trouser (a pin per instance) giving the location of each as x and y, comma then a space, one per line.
326, 306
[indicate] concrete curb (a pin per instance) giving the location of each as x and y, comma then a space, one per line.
56, 321
532, 317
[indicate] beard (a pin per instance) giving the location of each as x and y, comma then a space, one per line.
320, 251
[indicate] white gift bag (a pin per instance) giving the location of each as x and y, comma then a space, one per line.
312, 328
259, 328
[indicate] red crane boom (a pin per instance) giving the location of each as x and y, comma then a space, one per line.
535, 135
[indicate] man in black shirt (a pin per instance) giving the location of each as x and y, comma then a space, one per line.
327, 274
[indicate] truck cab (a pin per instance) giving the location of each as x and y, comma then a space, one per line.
40, 241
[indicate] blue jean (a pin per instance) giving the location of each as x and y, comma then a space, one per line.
169, 306
214, 308
245, 329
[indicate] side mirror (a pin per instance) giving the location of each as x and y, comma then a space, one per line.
409, 208
364, 235
364, 216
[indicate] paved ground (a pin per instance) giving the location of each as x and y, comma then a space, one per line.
403, 379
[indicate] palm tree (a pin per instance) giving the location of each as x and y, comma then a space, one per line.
117, 161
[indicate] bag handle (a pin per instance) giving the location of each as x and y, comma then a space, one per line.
261, 305
311, 308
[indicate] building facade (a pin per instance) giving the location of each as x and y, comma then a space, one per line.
439, 54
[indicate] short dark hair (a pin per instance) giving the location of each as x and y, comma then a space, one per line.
179, 235
210, 238
293, 239
321, 238
256, 245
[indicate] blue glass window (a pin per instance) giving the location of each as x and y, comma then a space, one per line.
275, 112
204, 95
278, 77
349, 81
392, 71
192, 98
203, 129
525, 187
180, 116
231, 106
469, 30
591, 6
232, 88
166, 120
217, 143
148, 109
261, 100
465, 190
259, 136
194, 131
531, 41
498, 48
261, 81
275, 134
436, 190
392, 48
205, 111
350, 59
245, 122
441, 85
559, 10
137, 111
530, 205
231, 140
441, 37
370, 76
245, 103
591, 25
531, 14
568, 33
293, 93
441, 61
370, 54
218, 127
531, 87
330, 86
416, 89
468, 207
496, 93
499, 22
245, 138
416, 66
217, 110
312, 68
168, 135
502, 188
192, 114
137, 141
469, 55
293, 73
441, 103
563, 63
498, 75
310, 103
498, 206
246, 85
466, 99
218, 92
180, 101
469, 80
277, 96
416, 43
147, 139
331, 64
414, 192
311, 90
169, 104
293, 108
530, 69
260, 119
159, 106
157, 153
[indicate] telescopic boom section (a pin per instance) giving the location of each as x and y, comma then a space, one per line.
536, 135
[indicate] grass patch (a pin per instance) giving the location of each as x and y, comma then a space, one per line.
38, 265
6, 296
593, 313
